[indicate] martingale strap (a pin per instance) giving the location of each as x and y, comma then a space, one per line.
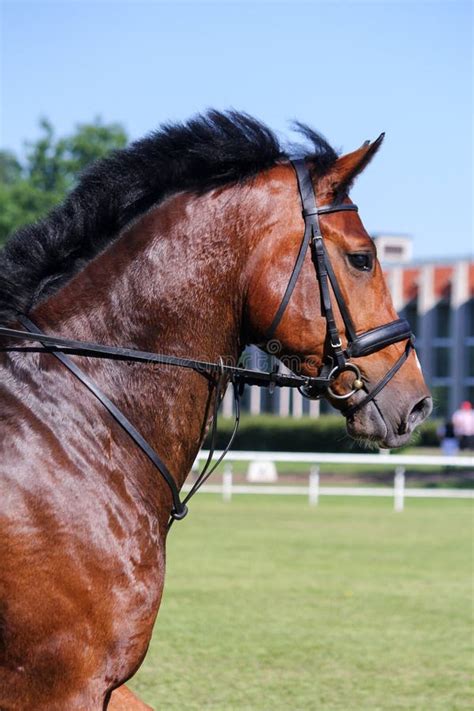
60, 348
179, 509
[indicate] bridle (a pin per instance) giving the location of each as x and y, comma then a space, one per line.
337, 359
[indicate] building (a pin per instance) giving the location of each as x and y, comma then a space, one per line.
437, 298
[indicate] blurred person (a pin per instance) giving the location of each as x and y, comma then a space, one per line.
463, 422
448, 441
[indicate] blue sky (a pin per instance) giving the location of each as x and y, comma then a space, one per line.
350, 69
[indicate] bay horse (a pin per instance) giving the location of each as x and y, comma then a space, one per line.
183, 244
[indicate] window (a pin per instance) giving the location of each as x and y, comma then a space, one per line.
327, 408
470, 361
440, 400
470, 318
411, 314
394, 250
470, 393
443, 320
442, 361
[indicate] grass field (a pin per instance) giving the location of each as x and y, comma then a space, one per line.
270, 606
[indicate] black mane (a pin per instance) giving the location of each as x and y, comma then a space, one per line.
207, 151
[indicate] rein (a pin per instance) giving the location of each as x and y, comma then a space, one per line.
337, 359
61, 348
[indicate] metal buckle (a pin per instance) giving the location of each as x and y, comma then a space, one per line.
356, 385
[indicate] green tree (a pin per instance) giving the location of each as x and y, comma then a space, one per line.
51, 168
88, 143
44, 168
10, 168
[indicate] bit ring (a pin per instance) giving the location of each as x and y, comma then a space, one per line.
358, 379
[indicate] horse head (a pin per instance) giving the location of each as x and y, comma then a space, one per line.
337, 317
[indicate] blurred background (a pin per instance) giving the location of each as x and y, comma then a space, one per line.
246, 623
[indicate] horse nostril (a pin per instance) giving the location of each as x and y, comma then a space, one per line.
418, 414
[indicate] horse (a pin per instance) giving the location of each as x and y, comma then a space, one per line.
184, 243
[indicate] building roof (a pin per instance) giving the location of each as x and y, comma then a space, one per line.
443, 275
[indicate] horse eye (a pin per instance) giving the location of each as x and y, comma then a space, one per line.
363, 262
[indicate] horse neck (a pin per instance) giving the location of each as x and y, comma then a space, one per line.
172, 284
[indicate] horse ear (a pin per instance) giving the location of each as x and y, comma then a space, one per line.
346, 169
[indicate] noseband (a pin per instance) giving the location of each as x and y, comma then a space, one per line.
337, 359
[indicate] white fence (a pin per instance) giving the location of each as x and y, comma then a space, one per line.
313, 490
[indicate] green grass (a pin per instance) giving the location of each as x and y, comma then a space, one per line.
270, 606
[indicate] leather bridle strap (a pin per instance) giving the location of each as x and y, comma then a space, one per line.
324, 271
344, 311
319, 258
241, 376
270, 332
378, 338
312, 230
